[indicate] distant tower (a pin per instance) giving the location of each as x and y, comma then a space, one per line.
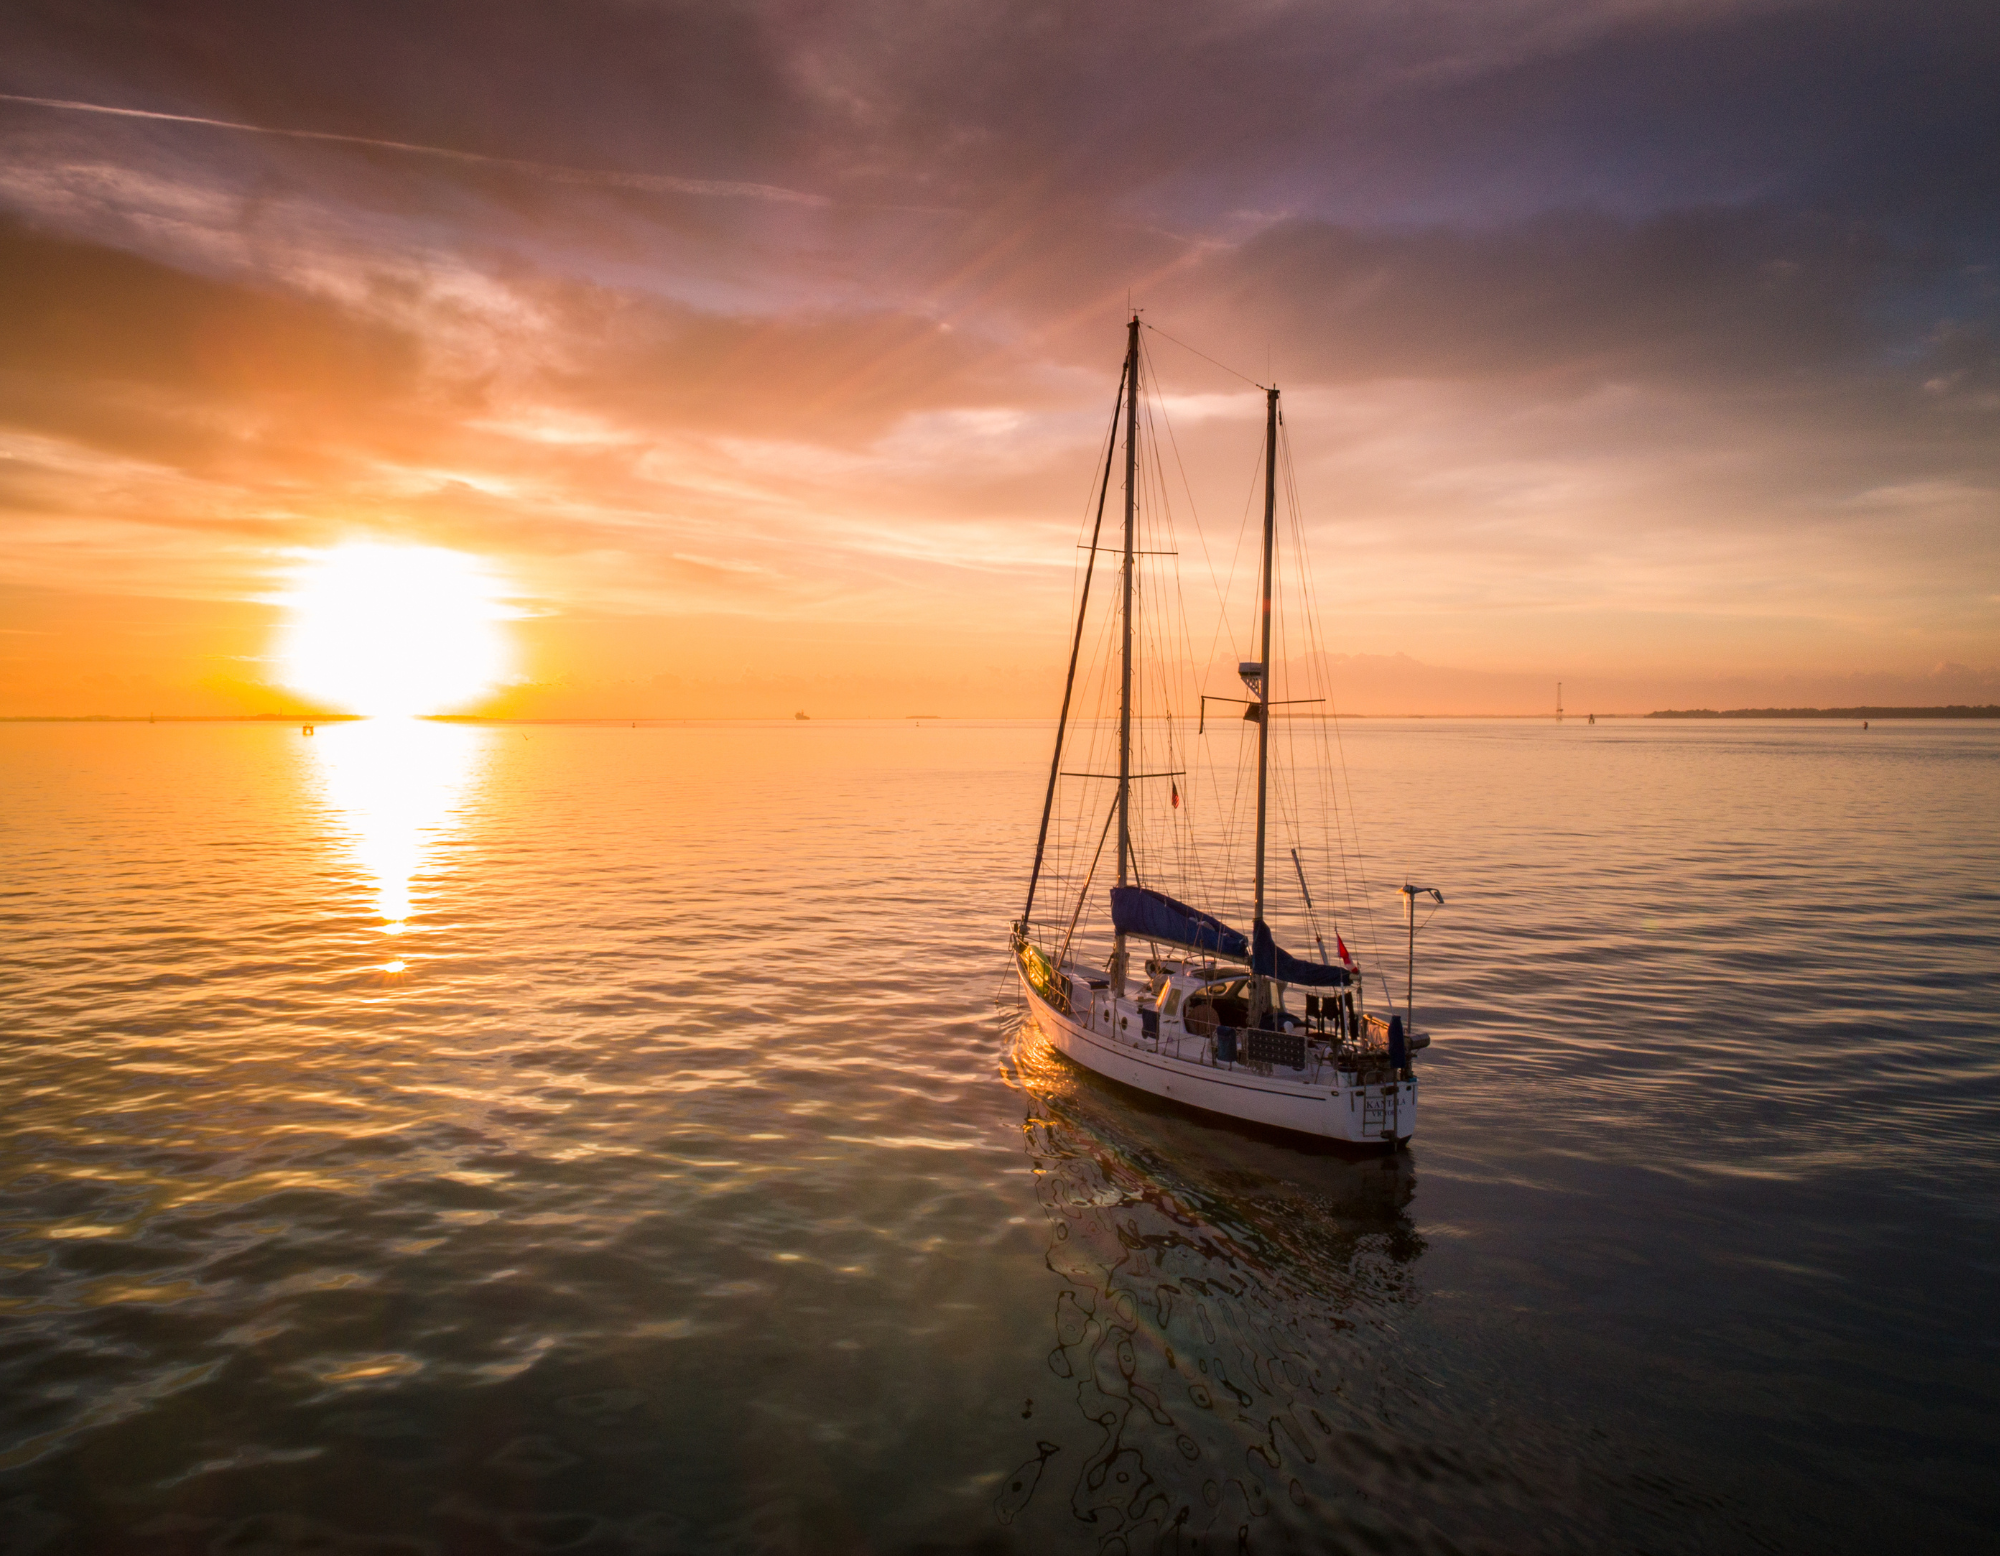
1559, 702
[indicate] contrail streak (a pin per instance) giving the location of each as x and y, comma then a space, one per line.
650, 183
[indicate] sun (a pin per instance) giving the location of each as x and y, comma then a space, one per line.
393, 631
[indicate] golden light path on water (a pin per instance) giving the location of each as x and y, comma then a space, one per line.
396, 790
394, 632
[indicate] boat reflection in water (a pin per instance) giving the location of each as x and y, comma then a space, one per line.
1224, 1306
398, 790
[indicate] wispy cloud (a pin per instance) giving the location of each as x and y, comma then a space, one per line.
599, 178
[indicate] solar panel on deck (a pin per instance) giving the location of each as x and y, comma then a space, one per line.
1288, 1048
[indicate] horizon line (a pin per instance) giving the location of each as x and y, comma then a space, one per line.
1950, 712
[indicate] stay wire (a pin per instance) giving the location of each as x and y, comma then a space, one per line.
1207, 358
1175, 668
1365, 919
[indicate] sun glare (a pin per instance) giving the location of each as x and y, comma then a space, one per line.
394, 631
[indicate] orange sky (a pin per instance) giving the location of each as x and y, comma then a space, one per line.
765, 353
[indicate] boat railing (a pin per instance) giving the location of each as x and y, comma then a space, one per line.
1324, 1046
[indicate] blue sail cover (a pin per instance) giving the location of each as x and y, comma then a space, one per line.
1274, 961
1152, 915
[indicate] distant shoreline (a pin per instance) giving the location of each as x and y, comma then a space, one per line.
1956, 710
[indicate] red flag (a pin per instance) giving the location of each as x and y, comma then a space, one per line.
1342, 945
1177, 793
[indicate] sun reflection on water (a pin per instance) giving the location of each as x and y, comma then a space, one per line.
398, 789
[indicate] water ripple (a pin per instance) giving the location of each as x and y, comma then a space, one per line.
438, 1139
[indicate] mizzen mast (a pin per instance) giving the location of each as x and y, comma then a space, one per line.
1125, 668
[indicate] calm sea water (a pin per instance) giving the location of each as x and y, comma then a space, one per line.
676, 1179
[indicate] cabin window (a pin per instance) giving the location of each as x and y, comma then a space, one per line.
1171, 1003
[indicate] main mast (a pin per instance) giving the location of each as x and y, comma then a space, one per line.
1125, 671
1259, 992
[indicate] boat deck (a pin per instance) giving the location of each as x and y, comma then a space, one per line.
1333, 1094
1306, 1052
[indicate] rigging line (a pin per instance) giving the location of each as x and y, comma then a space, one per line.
1180, 818
1233, 815
1173, 680
1077, 801
1160, 685
1098, 680
1286, 787
1367, 915
1235, 561
1088, 722
1316, 658
1096, 685
1208, 558
1233, 830
1333, 823
1290, 790
1084, 895
1144, 756
1069, 684
1312, 918
1299, 589
1292, 796
1104, 728
1165, 676
1194, 871
1108, 442
1180, 828
1362, 914
1207, 358
1179, 464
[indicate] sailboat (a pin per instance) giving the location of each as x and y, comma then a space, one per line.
1182, 1004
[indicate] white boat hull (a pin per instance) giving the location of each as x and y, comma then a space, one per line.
1383, 1116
